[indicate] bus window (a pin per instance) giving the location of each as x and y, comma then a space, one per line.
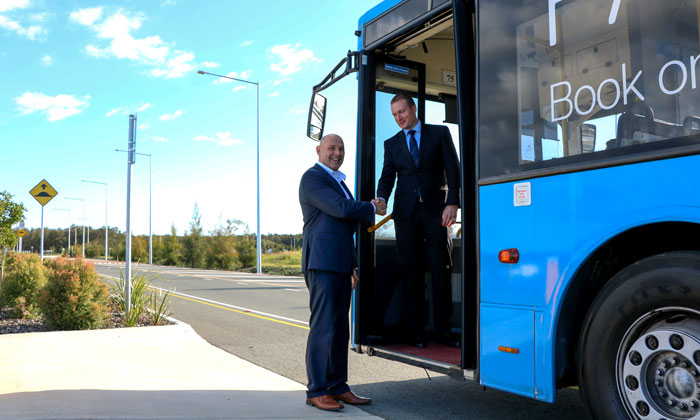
630, 72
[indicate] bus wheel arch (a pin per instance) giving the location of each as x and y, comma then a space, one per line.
599, 268
640, 344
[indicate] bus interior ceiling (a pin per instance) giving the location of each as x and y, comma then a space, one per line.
434, 46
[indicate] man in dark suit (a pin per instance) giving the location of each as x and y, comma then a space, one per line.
424, 160
329, 265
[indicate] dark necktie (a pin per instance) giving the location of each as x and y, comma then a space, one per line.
413, 147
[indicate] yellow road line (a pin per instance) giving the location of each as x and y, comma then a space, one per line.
241, 312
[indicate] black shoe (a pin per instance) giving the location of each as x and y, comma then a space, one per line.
450, 340
418, 342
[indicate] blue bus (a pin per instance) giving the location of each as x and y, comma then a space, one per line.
578, 128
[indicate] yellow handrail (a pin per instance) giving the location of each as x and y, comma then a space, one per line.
378, 225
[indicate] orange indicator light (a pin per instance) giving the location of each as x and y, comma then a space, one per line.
508, 350
509, 256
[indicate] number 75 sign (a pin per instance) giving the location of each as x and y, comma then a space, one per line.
614, 10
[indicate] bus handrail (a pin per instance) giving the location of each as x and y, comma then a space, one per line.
380, 224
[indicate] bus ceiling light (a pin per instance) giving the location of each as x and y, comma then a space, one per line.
509, 256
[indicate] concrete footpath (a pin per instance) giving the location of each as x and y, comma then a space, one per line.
166, 372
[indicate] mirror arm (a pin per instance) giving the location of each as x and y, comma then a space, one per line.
351, 62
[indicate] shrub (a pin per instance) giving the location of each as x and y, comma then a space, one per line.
74, 298
24, 279
144, 302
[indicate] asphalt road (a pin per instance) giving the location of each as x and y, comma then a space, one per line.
264, 319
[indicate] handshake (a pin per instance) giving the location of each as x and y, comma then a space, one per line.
380, 206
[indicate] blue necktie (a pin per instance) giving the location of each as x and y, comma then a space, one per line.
413, 147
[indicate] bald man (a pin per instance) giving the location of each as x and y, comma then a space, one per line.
328, 262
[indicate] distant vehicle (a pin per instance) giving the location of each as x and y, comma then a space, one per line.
578, 126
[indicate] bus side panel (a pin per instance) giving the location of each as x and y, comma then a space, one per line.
511, 369
571, 216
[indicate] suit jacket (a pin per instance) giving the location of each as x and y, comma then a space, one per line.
330, 220
438, 165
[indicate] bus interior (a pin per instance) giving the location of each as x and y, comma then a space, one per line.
420, 63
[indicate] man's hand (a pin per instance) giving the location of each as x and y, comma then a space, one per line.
380, 206
449, 215
355, 278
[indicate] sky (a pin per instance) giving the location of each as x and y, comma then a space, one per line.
73, 71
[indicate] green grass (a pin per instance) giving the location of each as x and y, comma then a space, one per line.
286, 263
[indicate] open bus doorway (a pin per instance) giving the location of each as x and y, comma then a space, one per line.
423, 67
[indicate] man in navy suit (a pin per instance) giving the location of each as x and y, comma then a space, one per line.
329, 265
424, 160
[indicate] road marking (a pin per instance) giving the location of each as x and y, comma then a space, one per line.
294, 290
232, 308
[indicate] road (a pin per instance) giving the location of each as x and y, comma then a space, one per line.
264, 319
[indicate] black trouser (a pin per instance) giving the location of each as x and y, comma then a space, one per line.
329, 334
423, 235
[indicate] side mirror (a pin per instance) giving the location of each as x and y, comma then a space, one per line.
317, 117
588, 134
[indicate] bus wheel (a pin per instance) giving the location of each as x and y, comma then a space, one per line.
639, 353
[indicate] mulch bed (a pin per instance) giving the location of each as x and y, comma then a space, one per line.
11, 325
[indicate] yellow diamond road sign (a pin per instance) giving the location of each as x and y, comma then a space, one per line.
43, 192
21, 232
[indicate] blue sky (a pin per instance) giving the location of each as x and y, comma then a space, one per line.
73, 71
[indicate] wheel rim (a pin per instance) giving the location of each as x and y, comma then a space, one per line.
658, 365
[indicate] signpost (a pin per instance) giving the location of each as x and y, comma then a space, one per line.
43, 193
21, 232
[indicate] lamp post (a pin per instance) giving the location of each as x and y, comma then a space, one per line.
68, 228
106, 225
150, 201
80, 199
257, 85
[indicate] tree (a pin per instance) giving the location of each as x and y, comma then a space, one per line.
193, 244
220, 250
11, 213
170, 252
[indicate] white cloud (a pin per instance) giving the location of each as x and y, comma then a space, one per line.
54, 107
129, 109
86, 16
112, 112
177, 66
96, 52
273, 94
170, 117
290, 58
161, 139
298, 109
210, 65
7, 5
38, 17
30, 32
280, 81
114, 38
222, 138
246, 43
144, 126
169, 3
46, 60
237, 88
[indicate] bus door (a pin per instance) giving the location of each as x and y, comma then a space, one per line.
381, 311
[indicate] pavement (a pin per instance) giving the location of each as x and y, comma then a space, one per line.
164, 372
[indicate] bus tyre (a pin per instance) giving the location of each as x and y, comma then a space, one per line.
639, 353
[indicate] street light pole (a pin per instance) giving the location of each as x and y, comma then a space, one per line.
257, 85
106, 225
150, 201
80, 199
